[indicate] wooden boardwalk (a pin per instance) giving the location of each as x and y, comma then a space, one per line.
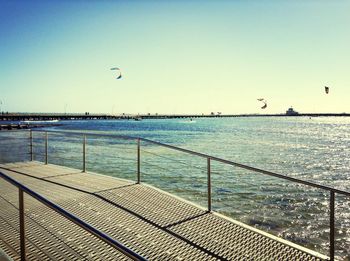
151, 222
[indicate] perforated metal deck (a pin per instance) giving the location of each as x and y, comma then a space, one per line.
151, 222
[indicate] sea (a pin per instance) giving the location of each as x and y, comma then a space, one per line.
315, 149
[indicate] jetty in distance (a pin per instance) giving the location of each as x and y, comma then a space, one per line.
88, 116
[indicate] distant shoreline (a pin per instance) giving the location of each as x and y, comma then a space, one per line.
77, 116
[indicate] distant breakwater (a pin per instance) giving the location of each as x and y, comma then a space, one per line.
77, 116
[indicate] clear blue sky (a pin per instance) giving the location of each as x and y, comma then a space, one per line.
176, 56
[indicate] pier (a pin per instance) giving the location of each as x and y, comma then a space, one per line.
52, 212
87, 116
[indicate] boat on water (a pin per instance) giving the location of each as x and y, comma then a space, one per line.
291, 112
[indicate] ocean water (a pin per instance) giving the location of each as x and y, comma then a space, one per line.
315, 149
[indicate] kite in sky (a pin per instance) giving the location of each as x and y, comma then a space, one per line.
326, 89
264, 101
119, 74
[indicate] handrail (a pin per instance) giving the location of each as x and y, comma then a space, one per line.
332, 191
228, 162
92, 230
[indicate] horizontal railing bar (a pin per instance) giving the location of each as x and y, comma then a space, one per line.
4, 138
13, 140
12, 130
104, 237
127, 146
159, 167
308, 183
9, 143
108, 156
304, 182
54, 156
170, 159
124, 137
22, 153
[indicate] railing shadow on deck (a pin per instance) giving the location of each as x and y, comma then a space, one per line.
89, 228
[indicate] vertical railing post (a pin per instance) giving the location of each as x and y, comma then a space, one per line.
22, 225
209, 184
31, 145
84, 153
138, 161
46, 148
331, 225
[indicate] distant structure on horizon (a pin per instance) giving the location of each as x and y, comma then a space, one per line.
291, 112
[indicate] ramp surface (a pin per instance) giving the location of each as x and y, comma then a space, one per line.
151, 222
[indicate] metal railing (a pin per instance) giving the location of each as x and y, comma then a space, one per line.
92, 230
332, 191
